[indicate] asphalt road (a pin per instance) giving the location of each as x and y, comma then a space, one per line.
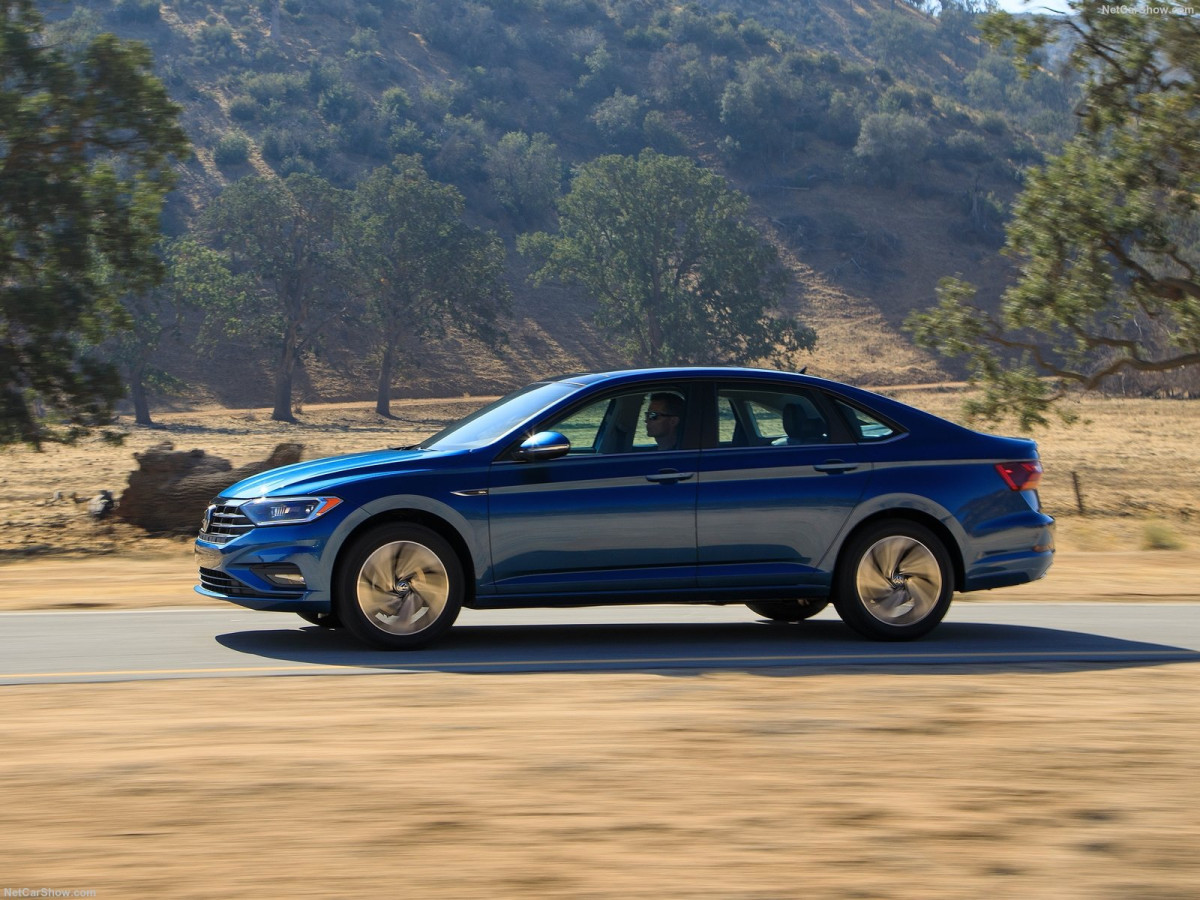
44, 647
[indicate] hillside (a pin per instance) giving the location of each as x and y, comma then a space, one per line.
781, 98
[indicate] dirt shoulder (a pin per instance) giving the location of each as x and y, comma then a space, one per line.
1026, 782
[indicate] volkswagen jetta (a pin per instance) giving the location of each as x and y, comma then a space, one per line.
782, 491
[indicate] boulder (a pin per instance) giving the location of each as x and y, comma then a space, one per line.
170, 488
101, 505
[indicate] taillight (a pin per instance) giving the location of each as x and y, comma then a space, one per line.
1020, 476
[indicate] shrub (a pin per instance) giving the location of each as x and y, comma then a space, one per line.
243, 109
647, 37
217, 40
363, 43
137, 12
619, 119
1160, 536
394, 105
662, 136
754, 33
897, 99
232, 149
993, 123
893, 143
367, 16
275, 86
339, 104
966, 147
842, 120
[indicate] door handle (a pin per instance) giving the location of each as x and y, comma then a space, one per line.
670, 476
833, 466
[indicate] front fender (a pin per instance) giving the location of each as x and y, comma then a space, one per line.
469, 522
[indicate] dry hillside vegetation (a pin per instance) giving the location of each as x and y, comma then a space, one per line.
303, 85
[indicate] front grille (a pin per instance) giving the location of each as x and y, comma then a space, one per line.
224, 523
223, 583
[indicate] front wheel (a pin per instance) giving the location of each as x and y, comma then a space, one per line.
400, 587
894, 581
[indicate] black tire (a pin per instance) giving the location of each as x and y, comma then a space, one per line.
787, 610
328, 620
894, 581
399, 586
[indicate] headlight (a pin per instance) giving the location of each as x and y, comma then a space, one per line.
287, 510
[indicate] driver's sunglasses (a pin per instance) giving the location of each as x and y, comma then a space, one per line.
652, 415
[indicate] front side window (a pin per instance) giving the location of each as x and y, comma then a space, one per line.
634, 422
769, 418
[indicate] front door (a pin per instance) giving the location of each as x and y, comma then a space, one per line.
617, 513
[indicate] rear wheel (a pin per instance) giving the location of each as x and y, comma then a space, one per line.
400, 587
894, 581
787, 610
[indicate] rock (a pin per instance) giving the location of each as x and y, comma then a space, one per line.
101, 505
170, 489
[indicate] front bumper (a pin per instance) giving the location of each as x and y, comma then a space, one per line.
236, 572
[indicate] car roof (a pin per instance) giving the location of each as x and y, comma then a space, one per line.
748, 373
616, 375
878, 402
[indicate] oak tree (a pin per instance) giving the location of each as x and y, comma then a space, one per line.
87, 134
679, 275
288, 237
1106, 233
420, 267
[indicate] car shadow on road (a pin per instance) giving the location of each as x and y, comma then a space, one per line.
723, 647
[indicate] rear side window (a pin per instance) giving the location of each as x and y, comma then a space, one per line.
767, 418
863, 425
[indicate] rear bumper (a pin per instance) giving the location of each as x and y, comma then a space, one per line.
1018, 566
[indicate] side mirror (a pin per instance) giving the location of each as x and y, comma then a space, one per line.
543, 445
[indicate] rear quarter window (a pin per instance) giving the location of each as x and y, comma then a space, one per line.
865, 427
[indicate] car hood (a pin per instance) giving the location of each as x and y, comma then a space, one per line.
317, 475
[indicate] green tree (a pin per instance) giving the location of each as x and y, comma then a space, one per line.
86, 137
196, 279
892, 144
288, 237
421, 266
680, 277
1107, 233
526, 175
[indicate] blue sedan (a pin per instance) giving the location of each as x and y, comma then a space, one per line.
688, 485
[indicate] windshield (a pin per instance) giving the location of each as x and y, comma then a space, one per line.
493, 421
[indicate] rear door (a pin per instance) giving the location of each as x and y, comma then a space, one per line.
779, 476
